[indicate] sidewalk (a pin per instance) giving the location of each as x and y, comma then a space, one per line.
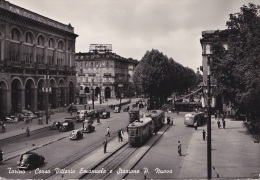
234, 153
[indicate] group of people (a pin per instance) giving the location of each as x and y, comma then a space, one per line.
221, 116
120, 134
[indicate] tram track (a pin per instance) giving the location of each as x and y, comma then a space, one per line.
125, 159
68, 160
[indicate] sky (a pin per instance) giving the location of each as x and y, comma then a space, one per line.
133, 27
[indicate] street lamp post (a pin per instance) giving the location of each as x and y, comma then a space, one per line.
47, 90
209, 121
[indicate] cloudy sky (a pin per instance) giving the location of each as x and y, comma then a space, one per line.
135, 26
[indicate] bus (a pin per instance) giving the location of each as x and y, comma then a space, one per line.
191, 118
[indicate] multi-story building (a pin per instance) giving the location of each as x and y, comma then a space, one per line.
208, 38
105, 73
37, 60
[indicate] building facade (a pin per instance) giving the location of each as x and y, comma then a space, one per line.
37, 61
208, 38
104, 74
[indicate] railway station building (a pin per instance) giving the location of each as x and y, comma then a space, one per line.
103, 74
37, 61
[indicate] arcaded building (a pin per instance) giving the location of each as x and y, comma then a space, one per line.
37, 61
104, 74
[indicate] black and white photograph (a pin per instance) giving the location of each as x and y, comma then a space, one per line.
129, 89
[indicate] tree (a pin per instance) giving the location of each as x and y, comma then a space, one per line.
238, 69
158, 76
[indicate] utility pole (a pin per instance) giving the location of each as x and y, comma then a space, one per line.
92, 89
209, 121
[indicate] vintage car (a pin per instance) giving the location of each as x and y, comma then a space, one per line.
29, 114
88, 127
104, 114
72, 108
55, 125
30, 160
126, 109
81, 115
117, 109
66, 126
11, 119
76, 134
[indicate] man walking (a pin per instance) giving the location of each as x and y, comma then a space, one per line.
27, 131
179, 148
119, 136
108, 131
224, 123
218, 123
195, 125
204, 134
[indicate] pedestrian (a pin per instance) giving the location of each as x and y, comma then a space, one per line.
204, 134
195, 125
70, 113
177, 112
218, 123
216, 115
122, 133
179, 148
3, 128
105, 145
108, 131
1, 155
27, 131
119, 135
85, 106
224, 123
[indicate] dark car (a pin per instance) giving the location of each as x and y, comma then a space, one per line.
104, 114
72, 108
141, 105
55, 125
76, 134
30, 160
88, 127
66, 126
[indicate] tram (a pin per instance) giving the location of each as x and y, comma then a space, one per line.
158, 119
133, 114
140, 131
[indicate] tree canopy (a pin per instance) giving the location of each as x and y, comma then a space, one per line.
237, 70
159, 76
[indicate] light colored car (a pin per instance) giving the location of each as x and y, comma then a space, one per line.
76, 134
11, 119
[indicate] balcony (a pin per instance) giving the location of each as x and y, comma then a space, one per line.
40, 66
29, 65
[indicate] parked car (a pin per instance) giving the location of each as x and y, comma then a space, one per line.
30, 160
72, 108
104, 114
29, 114
11, 119
117, 109
21, 116
39, 113
66, 126
76, 134
55, 125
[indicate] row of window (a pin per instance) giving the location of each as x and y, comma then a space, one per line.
40, 41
